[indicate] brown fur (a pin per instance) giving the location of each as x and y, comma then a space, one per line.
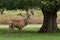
16, 24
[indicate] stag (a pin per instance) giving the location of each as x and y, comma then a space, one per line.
28, 19
18, 23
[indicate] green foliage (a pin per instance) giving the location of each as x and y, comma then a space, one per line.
47, 5
16, 4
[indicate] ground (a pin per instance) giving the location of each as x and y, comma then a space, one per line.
25, 35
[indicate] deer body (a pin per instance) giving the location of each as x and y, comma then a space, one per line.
16, 24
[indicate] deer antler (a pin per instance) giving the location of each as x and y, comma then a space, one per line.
32, 12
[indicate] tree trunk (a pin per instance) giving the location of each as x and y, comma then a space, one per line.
1, 11
49, 22
27, 13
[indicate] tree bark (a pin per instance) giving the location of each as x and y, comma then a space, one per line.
1, 11
49, 22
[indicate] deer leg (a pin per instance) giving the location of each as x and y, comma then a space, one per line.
11, 28
20, 30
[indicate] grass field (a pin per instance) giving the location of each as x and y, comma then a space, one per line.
25, 35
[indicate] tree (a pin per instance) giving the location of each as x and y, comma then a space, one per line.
48, 7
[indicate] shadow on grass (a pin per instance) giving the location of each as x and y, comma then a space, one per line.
5, 31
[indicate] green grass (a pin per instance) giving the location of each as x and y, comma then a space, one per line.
4, 35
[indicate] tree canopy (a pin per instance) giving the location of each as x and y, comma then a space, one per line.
24, 4
16, 4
